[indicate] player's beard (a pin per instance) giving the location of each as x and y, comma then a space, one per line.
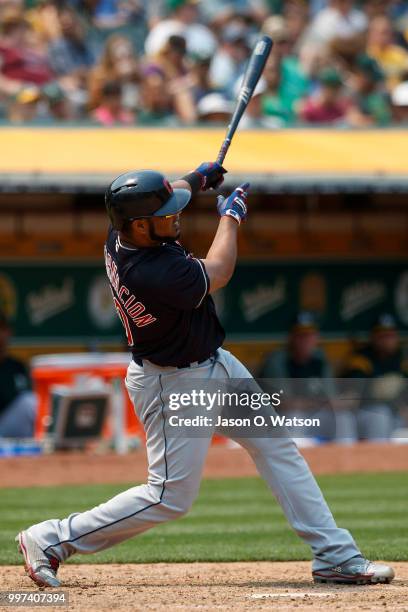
157, 237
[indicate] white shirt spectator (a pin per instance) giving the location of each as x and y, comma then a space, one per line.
215, 9
230, 60
224, 72
399, 95
331, 23
200, 40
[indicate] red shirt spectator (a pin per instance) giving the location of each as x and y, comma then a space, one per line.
20, 58
24, 65
315, 111
328, 105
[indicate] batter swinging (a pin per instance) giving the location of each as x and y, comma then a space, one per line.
163, 297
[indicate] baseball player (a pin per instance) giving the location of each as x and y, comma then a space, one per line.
163, 297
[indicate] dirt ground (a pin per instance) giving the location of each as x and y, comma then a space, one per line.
213, 586
205, 586
222, 462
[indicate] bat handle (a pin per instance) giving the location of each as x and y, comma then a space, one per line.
223, 151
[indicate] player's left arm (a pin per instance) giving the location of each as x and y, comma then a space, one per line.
208, 175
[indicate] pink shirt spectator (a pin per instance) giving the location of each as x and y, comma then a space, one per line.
106, 117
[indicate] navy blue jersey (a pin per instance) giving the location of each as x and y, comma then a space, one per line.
161, 296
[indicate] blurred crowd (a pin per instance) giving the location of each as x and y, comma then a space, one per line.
180, 62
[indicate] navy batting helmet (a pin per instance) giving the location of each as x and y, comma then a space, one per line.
140, 194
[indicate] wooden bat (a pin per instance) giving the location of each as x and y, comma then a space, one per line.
252, 74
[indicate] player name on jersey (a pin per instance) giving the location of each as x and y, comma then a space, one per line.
123, 297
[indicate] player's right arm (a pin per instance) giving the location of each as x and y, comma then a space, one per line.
222, 257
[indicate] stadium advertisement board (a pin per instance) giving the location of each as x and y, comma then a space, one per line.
71, 300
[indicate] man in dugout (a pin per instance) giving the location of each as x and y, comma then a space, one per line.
17, 401
380, 368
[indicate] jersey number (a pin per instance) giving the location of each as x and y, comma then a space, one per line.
125, 321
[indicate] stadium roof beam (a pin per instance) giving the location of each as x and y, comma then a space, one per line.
260, 183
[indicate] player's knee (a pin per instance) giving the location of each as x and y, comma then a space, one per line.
178, 499
175, 511
178, 507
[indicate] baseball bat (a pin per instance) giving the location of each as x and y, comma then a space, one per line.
252, 74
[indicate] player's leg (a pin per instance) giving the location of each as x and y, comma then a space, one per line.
175, 467
346, 427
335, 425
280, 463
336, 555
376, 422
18, 420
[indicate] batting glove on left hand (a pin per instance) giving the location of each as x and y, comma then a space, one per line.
235, 205
211, 175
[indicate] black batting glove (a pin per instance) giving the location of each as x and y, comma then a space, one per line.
208, 175
211, 174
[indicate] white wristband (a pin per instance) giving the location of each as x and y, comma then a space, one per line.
232, 213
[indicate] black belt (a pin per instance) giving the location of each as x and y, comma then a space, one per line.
180, 367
